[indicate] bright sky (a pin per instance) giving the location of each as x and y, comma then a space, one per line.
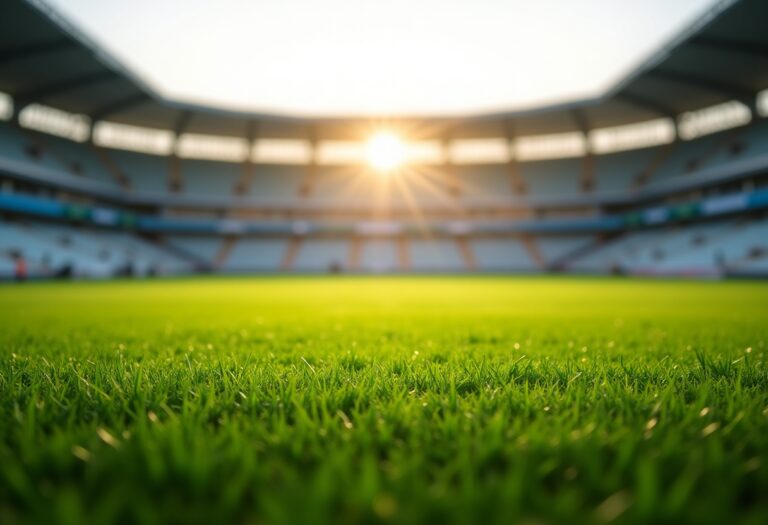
365, 57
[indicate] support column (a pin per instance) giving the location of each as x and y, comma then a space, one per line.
467, 254
355, 255
403, 254
451, 179
588, 172
111, 166
175, 176
587, 180
308, 184
513, 166
243, 184
658, 160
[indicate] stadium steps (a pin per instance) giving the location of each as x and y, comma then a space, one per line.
174, 249
533, 251
516, 179
665, 152
291, 252
175, 175
403, 254
308, 182
452, 181
587, 182
467, 254
243, 184
565, 262
224, 251
355, 255
111, 166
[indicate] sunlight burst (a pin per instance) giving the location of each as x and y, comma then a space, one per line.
385, 152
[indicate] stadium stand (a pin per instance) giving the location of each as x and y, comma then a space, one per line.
202, 249
76, 159
484, 181
502, 255
279, 182
55, 250
689, 204
255, 255
702, 249
209, 178
16, 146
441, 255
552, 177
556, 248
379, 256
321, 255
621, 172
145, 173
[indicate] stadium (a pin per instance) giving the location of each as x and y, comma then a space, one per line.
550, 314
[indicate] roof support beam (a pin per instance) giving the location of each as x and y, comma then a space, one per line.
724, 88
182, 121
646, 103
118, 105
732, 46
581, 121
310, 178
587, 182
175, 175
513, 167
243, 184
448, 169
251, 130
37, 94
32, 50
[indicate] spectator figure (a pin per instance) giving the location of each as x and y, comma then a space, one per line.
19, 267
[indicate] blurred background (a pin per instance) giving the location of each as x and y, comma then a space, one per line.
174, 138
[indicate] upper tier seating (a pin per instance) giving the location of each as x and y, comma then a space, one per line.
484, 181
210, 178
78, 159
355, 185
145, 173
714, 150
744, 142
358, 186
617, 172
16, 146
274, 182
343, 185
552, 177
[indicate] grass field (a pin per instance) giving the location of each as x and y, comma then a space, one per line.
341, 400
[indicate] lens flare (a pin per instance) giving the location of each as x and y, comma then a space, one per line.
385, 152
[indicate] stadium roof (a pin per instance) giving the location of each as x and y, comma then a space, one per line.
721, 57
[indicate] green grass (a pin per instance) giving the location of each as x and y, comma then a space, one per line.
343, 400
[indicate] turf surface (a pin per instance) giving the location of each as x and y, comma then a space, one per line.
340, 400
